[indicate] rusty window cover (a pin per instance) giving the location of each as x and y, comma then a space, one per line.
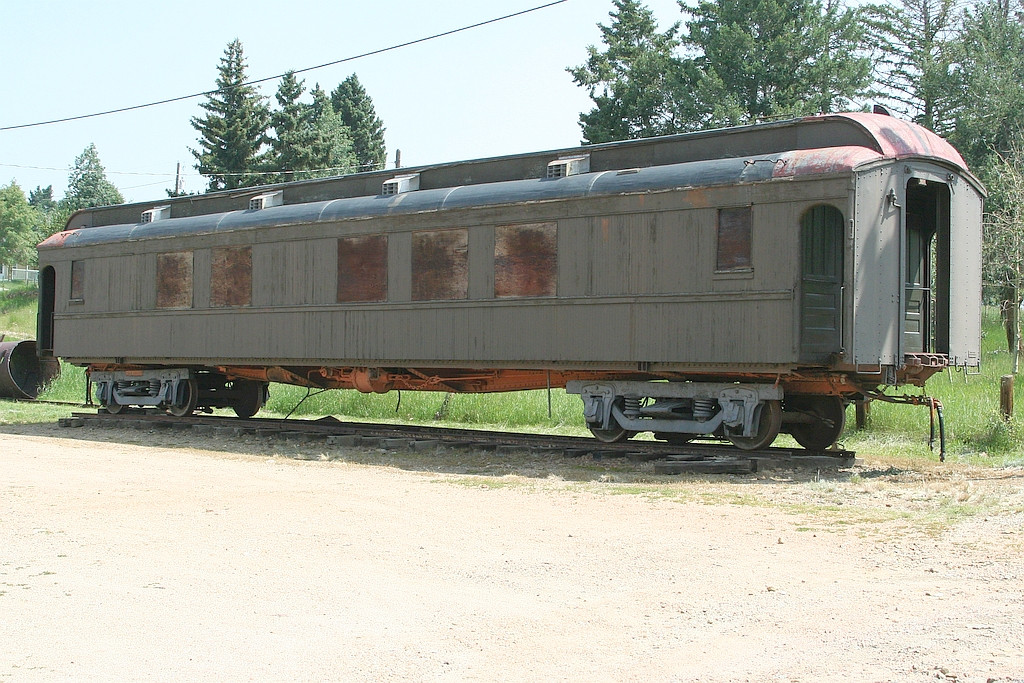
363, 268
77, 281
734, 238
231, 277
174, 280
525, 260
440, 265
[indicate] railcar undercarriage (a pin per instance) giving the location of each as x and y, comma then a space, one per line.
747, 409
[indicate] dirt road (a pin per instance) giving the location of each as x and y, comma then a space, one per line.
155, 561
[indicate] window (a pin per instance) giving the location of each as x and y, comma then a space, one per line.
231, 277
363, 268
734, 239
440, 265
174, 280
78, 281
525, 260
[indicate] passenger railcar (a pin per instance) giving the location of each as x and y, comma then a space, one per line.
731, 284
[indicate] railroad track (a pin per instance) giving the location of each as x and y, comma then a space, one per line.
694, 457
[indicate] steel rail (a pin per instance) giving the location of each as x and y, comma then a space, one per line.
698, 456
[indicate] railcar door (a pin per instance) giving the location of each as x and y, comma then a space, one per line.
821, 284
44, 315
926, 267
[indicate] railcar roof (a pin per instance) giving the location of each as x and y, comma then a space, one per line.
814, 145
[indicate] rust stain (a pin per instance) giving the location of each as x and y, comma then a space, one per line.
440, 265
174, 280
526, 260
231, 277
58, 239
363, 268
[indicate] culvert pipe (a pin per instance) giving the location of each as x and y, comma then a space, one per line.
22, 373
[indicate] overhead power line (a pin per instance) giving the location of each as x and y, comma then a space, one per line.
297, 71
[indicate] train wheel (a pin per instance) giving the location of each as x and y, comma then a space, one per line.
191, 399
830, 418
768, 425
113, 407
250, 397
612, 434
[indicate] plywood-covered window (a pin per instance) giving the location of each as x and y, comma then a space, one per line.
440, 265
363, 268
734, 239
174, 280
77, 281
231, 276
525, 260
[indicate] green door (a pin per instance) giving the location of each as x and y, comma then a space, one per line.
821, 284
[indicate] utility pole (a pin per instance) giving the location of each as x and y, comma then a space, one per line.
179, 182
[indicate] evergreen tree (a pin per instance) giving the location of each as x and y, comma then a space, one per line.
88, 185
42, 198
332, 148
913, 43
234, 130
292, 147
632, 80
752, 60
354, 106
989, 68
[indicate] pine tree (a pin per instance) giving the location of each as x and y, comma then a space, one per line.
761, 59
88, 185
292, 147
913, 43
234, 130
354, 106
989, 68
332, 149
631, 82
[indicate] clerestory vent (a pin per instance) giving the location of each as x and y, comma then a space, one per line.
400, 184
157, 213
560, 168
265, 201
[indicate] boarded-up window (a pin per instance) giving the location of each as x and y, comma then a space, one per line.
734, 238
231, 276
525, 260
440, 265
78, 280
174, 280
363, 268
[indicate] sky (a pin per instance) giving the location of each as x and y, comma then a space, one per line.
498, 89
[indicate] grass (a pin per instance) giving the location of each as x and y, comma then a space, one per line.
976, 433
17, 311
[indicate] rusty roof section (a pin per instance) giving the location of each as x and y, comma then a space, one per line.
897, 139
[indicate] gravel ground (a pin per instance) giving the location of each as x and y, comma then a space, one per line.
232, 560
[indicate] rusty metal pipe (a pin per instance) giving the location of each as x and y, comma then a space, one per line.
22, 373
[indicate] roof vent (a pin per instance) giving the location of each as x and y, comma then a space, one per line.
157, 213
400, 184
560, 168
265, 201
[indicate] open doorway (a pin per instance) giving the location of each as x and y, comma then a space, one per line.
926, 285
44, 319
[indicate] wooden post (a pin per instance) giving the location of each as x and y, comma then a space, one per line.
1006, 396
863, 406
